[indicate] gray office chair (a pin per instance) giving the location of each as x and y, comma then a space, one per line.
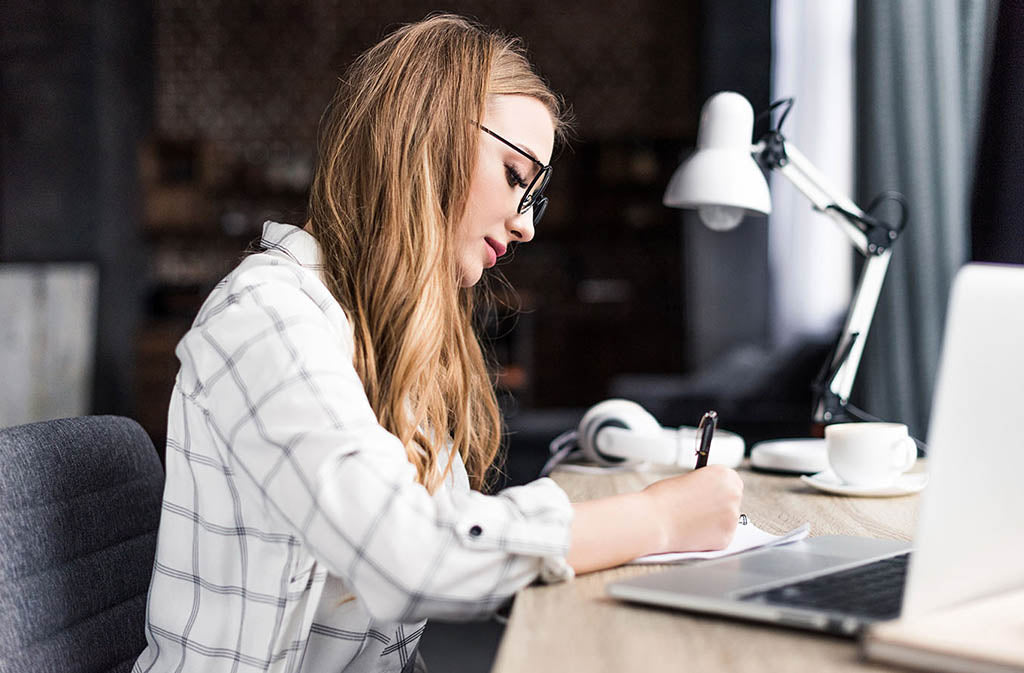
79, 508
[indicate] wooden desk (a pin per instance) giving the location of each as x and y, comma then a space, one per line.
574, 626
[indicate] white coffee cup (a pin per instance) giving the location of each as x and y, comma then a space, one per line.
869, 454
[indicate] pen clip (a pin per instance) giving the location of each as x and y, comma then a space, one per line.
705, 432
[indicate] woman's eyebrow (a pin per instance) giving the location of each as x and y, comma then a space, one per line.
528, 151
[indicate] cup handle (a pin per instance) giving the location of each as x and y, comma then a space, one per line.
904, 454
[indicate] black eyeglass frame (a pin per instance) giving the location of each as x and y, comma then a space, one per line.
531, 198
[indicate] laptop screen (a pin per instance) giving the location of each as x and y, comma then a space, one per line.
969, 540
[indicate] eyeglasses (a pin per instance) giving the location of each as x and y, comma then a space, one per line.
534, 196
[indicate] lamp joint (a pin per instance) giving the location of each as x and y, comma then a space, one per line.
831, 409
774, 153
880, 237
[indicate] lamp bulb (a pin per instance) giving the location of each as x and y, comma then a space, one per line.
720, 218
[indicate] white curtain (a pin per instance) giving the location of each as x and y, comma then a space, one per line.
813, 48
47, 340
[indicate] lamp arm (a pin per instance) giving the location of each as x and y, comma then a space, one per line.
832, 389
776, 153
799, 171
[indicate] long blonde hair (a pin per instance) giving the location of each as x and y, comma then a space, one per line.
396, 152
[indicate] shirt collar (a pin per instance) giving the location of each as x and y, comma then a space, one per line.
293, 241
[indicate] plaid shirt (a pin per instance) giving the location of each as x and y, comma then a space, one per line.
294, 535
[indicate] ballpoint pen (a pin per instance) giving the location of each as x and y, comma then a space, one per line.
705, 432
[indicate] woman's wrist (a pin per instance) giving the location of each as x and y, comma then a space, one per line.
657, 522
647, 524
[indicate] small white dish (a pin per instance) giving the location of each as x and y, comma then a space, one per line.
794, 456
905, 484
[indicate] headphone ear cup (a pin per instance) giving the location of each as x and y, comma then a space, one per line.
615, 413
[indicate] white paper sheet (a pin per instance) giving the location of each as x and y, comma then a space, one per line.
748, 536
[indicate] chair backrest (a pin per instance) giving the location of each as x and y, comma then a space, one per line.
79, 509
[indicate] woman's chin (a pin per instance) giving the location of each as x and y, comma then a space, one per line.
470, 277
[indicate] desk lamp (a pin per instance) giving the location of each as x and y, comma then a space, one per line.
723, 181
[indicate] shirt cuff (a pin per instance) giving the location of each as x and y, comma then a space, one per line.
555, 569
531, 520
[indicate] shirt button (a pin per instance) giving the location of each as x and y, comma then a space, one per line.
476, 531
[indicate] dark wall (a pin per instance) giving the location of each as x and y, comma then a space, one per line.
232, 92
49, 131
240, 74
76, 86
997, 212
599, 285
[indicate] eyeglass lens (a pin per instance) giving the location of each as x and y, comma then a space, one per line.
534, 195
539, 206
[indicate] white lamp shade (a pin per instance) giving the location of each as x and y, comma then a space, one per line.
721, 172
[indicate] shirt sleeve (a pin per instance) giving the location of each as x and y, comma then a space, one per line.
280, 394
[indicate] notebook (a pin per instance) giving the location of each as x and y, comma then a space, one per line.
963, 549
747, 537
984, 635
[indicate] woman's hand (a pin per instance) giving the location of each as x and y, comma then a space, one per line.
692, 512
697, 511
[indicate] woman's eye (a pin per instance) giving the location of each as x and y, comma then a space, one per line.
514, 179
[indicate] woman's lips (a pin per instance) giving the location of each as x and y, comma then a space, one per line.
494, 251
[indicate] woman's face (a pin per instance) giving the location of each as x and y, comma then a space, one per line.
490, 221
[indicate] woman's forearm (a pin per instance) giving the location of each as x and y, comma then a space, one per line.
611, 531
696, 511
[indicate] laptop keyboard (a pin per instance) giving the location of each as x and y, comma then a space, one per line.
873, 590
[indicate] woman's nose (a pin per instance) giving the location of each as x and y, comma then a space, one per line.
520, 227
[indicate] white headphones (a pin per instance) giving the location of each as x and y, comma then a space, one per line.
620, 433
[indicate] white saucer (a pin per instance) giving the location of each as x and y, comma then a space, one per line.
795, 456
906, 484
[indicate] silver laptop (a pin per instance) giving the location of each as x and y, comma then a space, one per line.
969, 541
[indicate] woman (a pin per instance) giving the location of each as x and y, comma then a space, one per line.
333, 418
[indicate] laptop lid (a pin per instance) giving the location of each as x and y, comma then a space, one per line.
970, 541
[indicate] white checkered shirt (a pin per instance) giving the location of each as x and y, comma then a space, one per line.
285, 497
